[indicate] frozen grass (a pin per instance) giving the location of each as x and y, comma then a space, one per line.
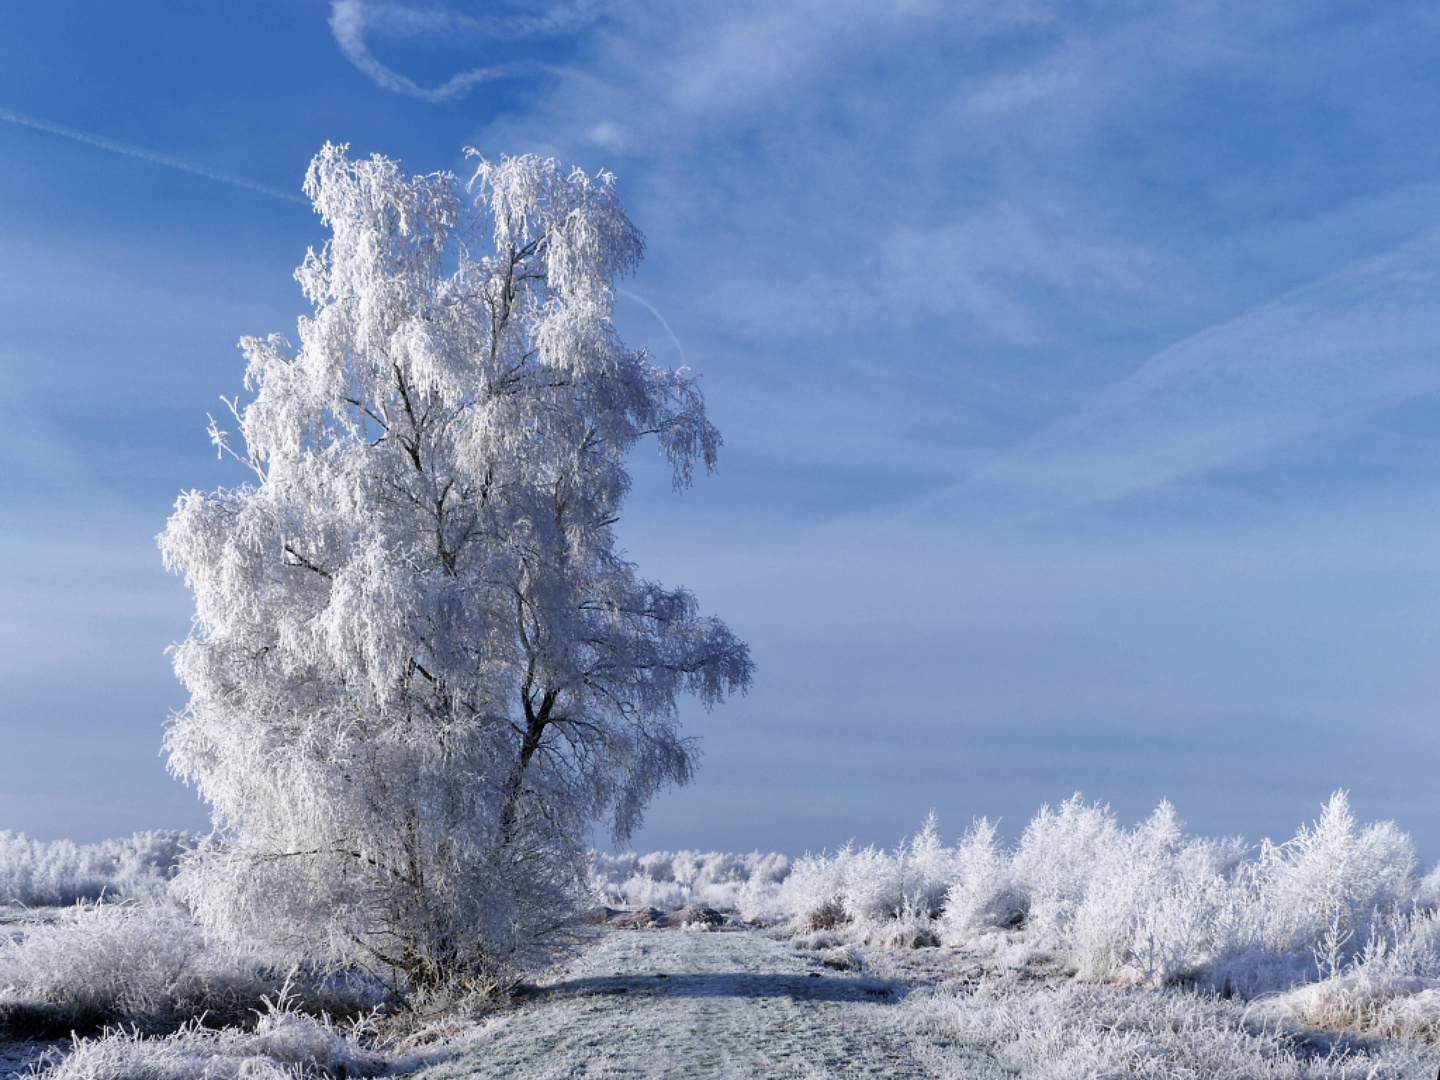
38, 874
1337, 918
1090, 948
148, 968
284, 1044
1076, 1029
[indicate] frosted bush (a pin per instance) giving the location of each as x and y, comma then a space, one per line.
769, 869
925, 868
658, 866
1148, 905
1059, 852
912, 927
38, 874
150, 967
1155, 908
1409, 946
814, 893
608, 875
872, 887
1335, 882
670, 881
911, 881
871, 884
1391, 989
642, 891
762, 899
983, 894
1427, 891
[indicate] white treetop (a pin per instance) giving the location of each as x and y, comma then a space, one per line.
419, 669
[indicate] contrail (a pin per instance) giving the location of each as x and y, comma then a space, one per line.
1359, 339
350, 20
666, 325
147, 155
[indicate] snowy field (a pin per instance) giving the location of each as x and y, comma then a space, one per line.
1088, 949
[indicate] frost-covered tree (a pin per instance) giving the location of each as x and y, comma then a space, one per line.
419, 669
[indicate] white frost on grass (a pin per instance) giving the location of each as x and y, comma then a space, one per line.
145, 967
1087, 949
284, 1045
1364, 1002
1064, 1030
673, 880
35, 873
1143, 906
652, 1003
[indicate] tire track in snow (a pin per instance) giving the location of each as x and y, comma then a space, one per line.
730, 1004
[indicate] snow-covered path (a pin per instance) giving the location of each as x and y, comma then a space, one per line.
725, 1004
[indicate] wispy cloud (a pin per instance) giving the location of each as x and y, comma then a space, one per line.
1361, 338
952, 250
117, 147
353, 21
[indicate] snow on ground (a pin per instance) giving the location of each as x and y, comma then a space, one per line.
742, 1003
731, 1003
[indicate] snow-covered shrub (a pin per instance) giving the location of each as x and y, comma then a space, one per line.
608, 873
761, 899
644, 891
728, 882
1410, 945
911, 927
1060, 851
871, 887
814, 892
1364, 1003
658, 866
670, 881
1335, 882
924, 869
826, 891
144, 966
39, 874
147, 862
1144, 905
983, 894
1152, 911
1391, 988
871, 883
1427, 892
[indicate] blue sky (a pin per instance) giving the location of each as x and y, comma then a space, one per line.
1078, 364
